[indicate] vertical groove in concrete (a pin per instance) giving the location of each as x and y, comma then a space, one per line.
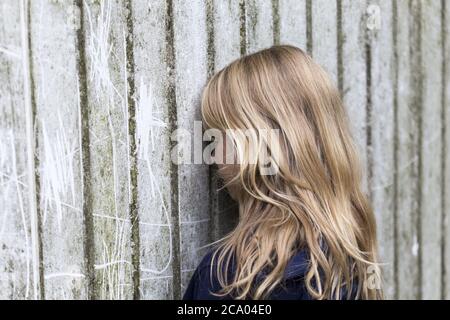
420, 121
133, 202
340, 40
396, 141
36, 165
309, 31
444, 150
369, 164
172, 105
416, 89
32, 157
416, 67
243, 27
85, 158
276, 21
211, 50
210, 71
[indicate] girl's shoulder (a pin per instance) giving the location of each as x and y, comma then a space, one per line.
296, 267
204, 281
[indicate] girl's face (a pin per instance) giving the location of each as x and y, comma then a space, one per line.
225, 159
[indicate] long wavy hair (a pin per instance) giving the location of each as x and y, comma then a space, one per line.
314, 200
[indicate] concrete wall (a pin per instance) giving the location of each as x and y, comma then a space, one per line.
91, 207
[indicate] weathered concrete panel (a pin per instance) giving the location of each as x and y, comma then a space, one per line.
225, 47
106, 59
17, 256
226, 28
354, 74
153, 144
431, 150
58, 121
407, 151
324, 35
193, 179
259, 31
446, 148
381, 141
292, 20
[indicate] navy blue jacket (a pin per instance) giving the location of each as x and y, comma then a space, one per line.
292, 287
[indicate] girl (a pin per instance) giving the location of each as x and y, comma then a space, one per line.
305, 230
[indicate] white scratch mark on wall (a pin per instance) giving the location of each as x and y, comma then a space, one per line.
12, 52
156, 277
62, 274
100, 51
114, 263
147, 123
58, 171
22, 214
111, 217
6, 180
129, 221
426, 143
99, 48
11, 179
195, 221
111, 263
415, 246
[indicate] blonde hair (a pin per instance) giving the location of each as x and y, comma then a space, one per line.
314, 200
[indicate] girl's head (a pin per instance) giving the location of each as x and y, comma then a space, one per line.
298, 178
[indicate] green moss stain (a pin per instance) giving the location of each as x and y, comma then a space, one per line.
309, 23
133, 207
86, 164
369, 108
37, 177
243, 26
172, 115
340, 43
276, 21
211, 50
